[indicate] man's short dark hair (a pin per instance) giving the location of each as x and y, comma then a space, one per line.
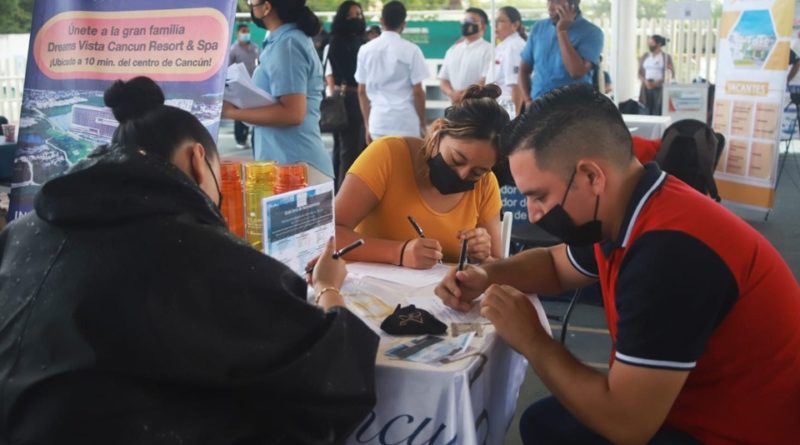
567, 124
393, 14
242, 26
481, 13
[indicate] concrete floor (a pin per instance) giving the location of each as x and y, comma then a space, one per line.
587, 336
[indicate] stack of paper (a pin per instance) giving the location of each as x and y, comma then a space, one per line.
414, 278
241, 91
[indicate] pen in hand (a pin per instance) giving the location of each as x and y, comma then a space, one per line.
347, 248
462, 259
338, 253
416, 226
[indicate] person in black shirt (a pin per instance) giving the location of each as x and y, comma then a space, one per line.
347, 36
132, 315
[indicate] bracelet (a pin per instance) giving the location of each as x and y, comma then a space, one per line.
327, 289
403, 251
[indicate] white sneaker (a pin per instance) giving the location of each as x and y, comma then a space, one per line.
241, 146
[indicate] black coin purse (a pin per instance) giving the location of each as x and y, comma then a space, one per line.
411, 320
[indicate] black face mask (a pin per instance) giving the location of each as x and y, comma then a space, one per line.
257, 21
558, 223
445, 179
652, 48
355, 26
216, 184
468, 29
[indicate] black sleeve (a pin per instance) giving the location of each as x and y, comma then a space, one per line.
792, 57
224, 317
671, 293
583, 260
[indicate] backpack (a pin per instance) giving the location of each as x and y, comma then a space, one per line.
632, 106
690, 151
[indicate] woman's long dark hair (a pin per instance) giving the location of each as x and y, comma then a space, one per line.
514, 17
296, 11
337, 27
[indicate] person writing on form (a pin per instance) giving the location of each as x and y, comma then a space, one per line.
443, 182
703, 312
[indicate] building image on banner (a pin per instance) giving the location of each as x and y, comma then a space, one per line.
79, 47
753, 56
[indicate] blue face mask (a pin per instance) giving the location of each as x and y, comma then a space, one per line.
244, 38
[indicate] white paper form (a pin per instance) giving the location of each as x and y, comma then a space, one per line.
436, 307
298, 224
241, 91
413, 278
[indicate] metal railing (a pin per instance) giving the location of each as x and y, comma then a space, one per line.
692, 44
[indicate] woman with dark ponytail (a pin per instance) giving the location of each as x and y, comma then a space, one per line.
505, 71
133, 316
445, 182
290, 70
655, 69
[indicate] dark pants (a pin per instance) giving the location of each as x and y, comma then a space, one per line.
240, 131
348, 143
653, 100
547, 422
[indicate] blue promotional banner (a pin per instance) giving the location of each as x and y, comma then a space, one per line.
79, 47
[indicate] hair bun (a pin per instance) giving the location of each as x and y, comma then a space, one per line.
134, 98
491, 91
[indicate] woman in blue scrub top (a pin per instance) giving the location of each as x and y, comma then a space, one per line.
289, 70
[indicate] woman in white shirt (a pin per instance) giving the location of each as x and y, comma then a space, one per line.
653, 67
505, 70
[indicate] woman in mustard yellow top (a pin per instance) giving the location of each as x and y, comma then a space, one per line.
444, 182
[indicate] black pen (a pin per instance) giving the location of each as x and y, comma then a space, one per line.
416, 226
340, 252
462, 259
347, 248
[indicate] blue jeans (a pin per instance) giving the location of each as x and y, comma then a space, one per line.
547, 422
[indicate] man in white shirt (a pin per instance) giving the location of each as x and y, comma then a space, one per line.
467, 62
389, 72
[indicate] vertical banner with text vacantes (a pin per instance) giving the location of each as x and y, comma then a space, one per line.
753, 54
79, 47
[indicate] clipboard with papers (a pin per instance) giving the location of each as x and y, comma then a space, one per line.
241, 91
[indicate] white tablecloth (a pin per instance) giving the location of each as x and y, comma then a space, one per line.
649, 127
467, 402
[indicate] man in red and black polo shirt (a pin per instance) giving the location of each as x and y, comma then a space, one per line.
703, 312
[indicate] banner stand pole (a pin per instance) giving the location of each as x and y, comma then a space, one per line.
795, 100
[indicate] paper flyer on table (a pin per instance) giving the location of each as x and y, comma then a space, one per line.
297, 224
241, 91
431, 349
